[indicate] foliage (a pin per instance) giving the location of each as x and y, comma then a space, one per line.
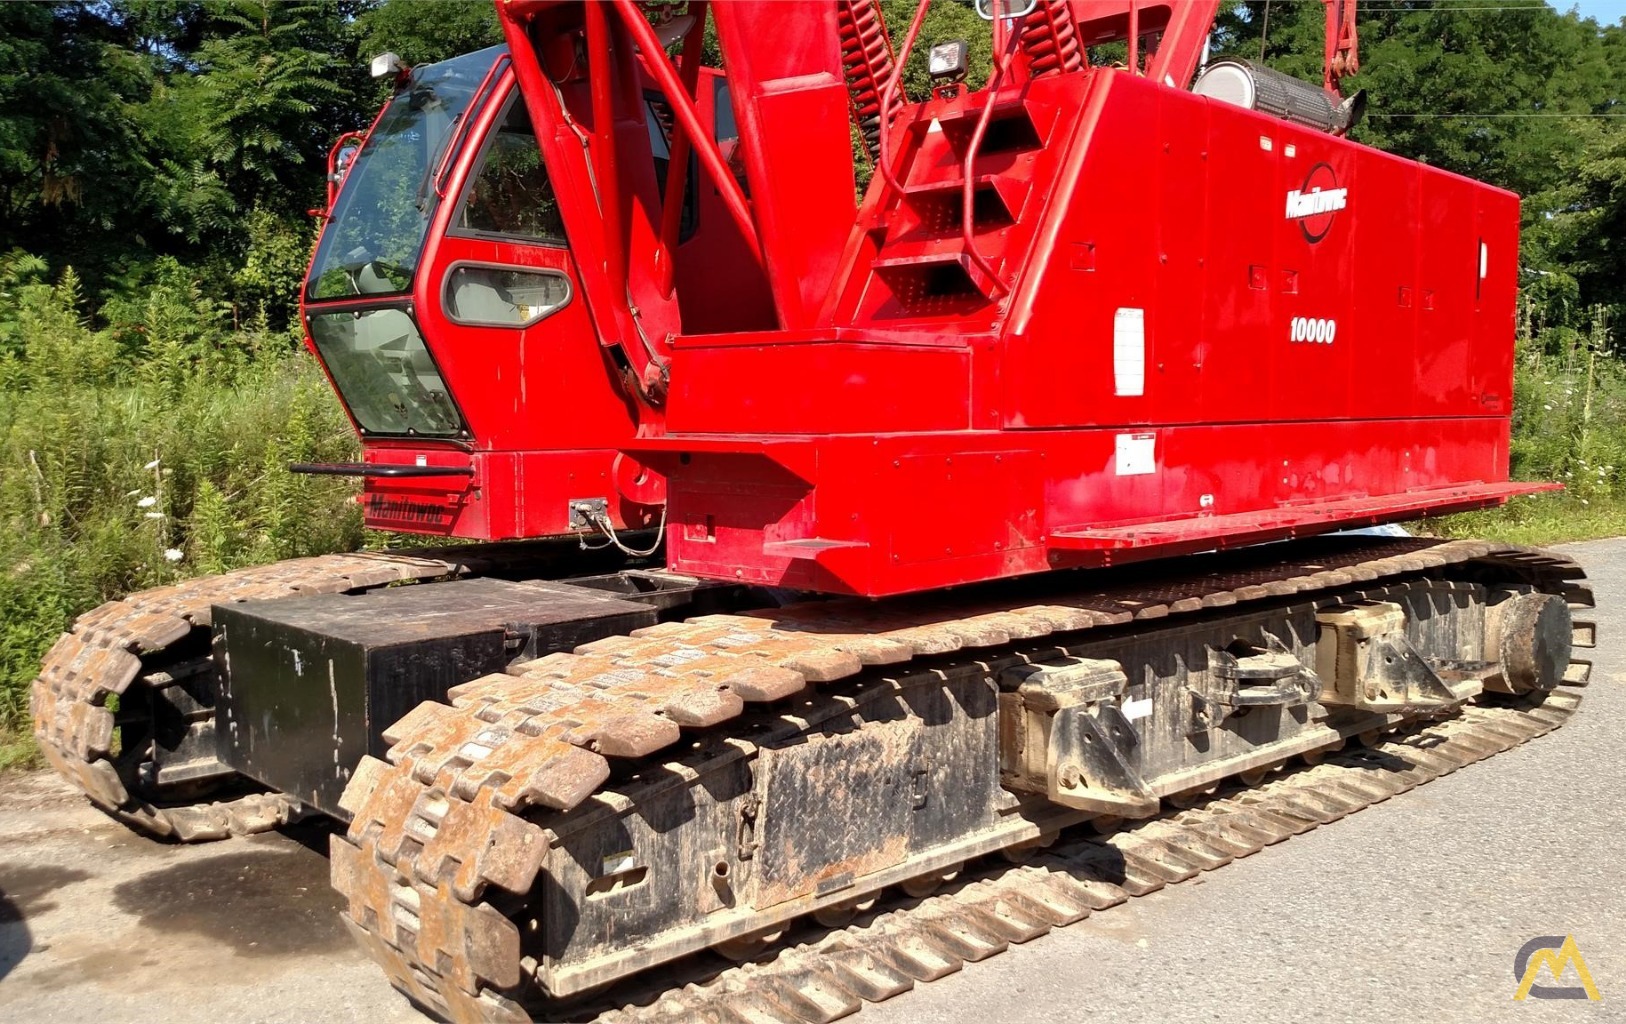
135, 130
428, 30
1578, 226
147, 451
944, 22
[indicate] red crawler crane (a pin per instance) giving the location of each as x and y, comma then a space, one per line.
601, 303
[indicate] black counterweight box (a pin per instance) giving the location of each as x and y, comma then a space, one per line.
307, 685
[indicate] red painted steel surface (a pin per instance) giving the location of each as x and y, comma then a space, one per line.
1177, 324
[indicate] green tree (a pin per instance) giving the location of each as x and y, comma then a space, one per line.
422, 31
258, 94
70, 146
1580, 224
1493, 92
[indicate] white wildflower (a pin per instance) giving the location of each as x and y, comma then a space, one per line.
152, 465
154, 515
148, 502
1548, 407
174, 554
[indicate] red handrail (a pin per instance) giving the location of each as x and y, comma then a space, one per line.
335, 178
1003, 52
889, 95
1134, 37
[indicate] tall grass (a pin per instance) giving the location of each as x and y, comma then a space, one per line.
143, 452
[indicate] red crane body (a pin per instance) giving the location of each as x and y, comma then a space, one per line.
1087, 313
1081, 316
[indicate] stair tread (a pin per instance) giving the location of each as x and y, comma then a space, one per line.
946, 184
972, 109
925, 250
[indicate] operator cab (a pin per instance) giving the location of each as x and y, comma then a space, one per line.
445, 303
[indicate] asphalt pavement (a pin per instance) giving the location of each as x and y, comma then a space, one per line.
1413, 909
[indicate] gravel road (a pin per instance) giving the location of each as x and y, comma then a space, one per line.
1412, 909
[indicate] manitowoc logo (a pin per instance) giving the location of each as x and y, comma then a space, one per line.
1314, 203
1308, 204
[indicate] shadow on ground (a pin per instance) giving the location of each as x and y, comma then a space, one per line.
261, 898
27, 891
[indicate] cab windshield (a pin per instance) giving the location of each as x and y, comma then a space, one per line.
374, 241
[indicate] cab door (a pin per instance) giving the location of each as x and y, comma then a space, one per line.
500, 294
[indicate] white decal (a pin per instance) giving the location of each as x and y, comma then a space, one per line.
1315, 202
1136, 709
1129, 352
1137, 454
1313, 330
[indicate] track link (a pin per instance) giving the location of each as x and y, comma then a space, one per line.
456, 819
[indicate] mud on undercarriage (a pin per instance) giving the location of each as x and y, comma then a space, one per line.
582, 817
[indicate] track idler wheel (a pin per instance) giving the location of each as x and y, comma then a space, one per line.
924, 885
749, 947
1254, 776
1534, 644
1371, 737
1021, 853
1315, 757
1192, 797
840, 915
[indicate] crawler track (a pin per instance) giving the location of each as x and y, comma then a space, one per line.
459, 816
144, 641
123, 650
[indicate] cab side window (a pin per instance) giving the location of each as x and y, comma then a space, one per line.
509, 193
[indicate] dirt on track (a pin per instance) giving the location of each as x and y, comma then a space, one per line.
99, 924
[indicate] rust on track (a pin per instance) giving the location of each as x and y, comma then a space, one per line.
456, 818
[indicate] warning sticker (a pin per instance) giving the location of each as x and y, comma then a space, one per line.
1137, 454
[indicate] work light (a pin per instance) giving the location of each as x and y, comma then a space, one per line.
946, 61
